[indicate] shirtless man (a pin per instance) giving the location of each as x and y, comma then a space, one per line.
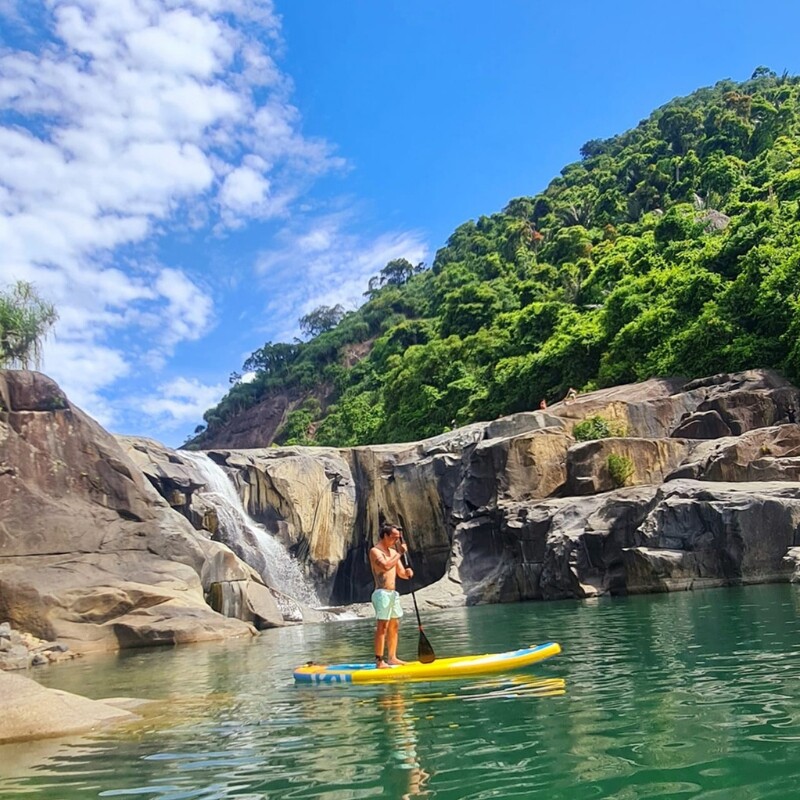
386, 562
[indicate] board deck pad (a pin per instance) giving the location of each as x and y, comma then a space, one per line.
440, 669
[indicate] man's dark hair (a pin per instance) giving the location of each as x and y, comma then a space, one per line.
387, 528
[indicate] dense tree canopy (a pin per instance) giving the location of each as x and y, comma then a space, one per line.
671, 249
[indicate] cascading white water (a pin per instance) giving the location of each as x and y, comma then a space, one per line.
249, 540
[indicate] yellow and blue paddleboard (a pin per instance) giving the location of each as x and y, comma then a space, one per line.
441, 669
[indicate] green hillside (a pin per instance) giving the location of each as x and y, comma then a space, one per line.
671, 249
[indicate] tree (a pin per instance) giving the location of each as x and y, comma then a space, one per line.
321, 319
272, 359
469, 308
25, 319
397, 272
680, 127
762, 72
594, 147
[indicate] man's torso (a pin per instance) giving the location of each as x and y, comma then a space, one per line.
384, 579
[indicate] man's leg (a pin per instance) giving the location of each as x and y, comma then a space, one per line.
380, 641
392, 636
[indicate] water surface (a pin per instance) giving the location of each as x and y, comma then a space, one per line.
690, 695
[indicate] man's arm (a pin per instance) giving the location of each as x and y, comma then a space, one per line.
406, 573
383, 562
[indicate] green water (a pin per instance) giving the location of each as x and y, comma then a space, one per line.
684, 695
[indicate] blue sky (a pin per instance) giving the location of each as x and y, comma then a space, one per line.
184, 179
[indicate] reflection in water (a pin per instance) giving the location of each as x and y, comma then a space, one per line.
509, 687
687, 695
401, 737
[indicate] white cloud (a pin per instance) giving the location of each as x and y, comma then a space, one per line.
83, 369
320, 262
134, 117
182, 401
181, 43
245, 188
188, 309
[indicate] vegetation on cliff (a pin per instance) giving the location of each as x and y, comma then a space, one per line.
671, 249
25, 320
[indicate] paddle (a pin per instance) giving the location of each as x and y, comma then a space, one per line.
424, 650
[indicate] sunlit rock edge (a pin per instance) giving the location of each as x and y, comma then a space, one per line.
108, 542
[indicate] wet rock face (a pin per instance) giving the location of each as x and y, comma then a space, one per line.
93, 551
516, 509
90, 555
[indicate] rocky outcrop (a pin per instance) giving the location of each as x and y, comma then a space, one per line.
517, 509
649, 462
20, 650
32, 712
763, 454
174, 477
649, 410
90, 554
255, 427
701, 534
735, 404
96, 547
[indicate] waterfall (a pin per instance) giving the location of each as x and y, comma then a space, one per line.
249, 540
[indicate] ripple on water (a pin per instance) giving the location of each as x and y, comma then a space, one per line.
691, 695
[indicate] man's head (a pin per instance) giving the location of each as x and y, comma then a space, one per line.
390, 530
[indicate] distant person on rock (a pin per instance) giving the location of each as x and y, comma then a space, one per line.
572, 394
386, 562
543, 404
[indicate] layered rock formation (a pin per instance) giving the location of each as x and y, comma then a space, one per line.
107, 543
90, 554
517, 509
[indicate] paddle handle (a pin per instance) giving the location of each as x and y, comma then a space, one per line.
407, 564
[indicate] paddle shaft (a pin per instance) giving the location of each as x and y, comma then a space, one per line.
407, 565
425, 650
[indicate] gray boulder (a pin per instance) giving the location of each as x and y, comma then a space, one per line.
32, 712
90, 554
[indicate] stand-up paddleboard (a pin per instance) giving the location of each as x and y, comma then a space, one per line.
441, 669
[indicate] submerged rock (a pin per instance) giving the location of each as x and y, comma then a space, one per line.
23, 650
30, 711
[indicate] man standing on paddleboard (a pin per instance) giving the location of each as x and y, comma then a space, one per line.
386, 562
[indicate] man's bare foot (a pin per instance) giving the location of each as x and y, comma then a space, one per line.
396, 662
381, 664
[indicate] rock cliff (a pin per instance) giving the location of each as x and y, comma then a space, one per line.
90, 554
107, 543
517, 509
